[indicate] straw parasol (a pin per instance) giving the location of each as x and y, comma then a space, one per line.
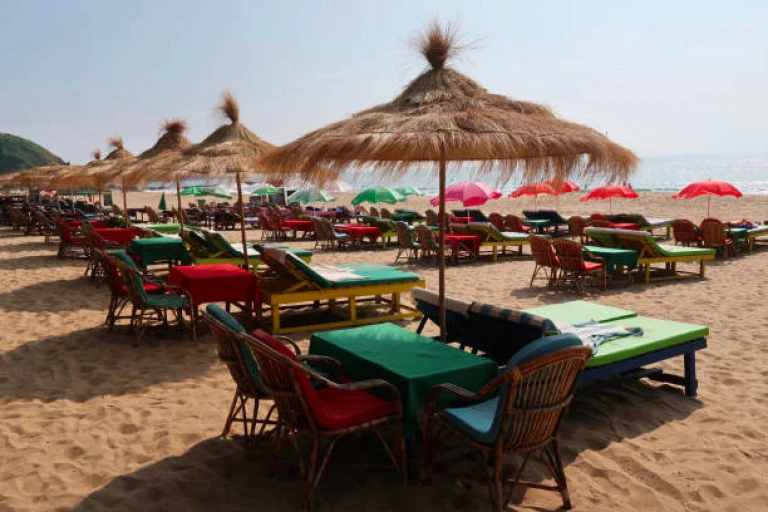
232, 149
444, 116
155, 159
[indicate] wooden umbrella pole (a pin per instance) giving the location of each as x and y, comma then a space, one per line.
441, 251
242, 219
178, 203
125, 207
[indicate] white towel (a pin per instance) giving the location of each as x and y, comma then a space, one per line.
332, 273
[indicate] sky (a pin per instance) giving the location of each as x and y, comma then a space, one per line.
662, 78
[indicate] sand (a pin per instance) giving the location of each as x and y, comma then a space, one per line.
89, 422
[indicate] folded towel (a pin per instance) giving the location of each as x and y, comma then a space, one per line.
592, 333
332, 273
238, 246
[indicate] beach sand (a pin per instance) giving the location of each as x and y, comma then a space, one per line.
90, 422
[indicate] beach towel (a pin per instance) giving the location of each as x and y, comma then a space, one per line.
332, 273
592, 334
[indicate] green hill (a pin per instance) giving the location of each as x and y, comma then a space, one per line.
17, 153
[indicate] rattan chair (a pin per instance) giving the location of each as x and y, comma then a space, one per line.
69, 243
431, 217
430, 247
405, 243
386, 214
686, 233
524, 407
600, 223
118, 292
497, 220
324, 413
515, 223
574, 269
45, 226
374, 212
718, 236
576, 225
545, 259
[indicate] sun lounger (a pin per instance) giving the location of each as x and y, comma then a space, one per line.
755, 233
649, 252
475, 214
616, 361
643, 223
295, 283
493, 238
555, 219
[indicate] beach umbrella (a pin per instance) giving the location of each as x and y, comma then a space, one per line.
708, 188
535, 190
162, 206
409, 191
197, 191
378, 195
563, 186
231, 149
265, 191
444, 116
468, 193
310, 195
609, 192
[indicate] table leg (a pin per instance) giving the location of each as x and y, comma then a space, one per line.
352, 309
275, 318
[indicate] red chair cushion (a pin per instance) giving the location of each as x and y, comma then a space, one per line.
149, 289
592, 265
332, 408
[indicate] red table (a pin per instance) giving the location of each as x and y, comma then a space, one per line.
358, 231
461, 220
321, 213
299, 225
217, 283
97, 224
625, 225
462, 243
119, 235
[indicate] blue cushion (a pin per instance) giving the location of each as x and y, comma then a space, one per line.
543, 346
478, 421
225, 318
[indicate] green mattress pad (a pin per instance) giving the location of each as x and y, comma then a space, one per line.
657, 334
680, 250
578, 311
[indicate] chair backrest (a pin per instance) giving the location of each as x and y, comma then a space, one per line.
497, 220
384, 224
152, 214
264, 221
458, 325
485, 231
374, 212
386, 214
404, 236
684, 231
220, 244
597, 216
535, 395
431, 217
63, 230
197, 244
132, 280
514, 223
569, 255
713, 232
285, 269
111, 274
576, 225
605, 237
426, 238
542, 251
233, 351
116, 210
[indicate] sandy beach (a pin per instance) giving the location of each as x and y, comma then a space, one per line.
89, 422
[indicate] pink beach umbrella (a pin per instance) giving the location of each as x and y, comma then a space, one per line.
609, 192
535, 190
708, 188
468, 193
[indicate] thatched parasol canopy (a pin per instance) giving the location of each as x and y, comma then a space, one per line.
444, 116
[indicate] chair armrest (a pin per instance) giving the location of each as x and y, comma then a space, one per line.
333, 364
288, 341
466, 397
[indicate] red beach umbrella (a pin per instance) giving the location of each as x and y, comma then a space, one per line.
708, 188
563, 187
609, 192
535, 190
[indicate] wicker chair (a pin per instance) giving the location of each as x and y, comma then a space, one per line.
524, 408
430, 247
686, 233
96, 243
431, 217
386, 214
153, 216
406, 244
69, 243
118, 292
321, 413
45, 226
597, 216
576, 225
545, 259
718, 236
515, 223
146, 307
574, 269
337, 240
600, 223
374, 212
497, 220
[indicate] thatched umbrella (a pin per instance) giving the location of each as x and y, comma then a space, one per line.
170, 144
232, 149
444, 116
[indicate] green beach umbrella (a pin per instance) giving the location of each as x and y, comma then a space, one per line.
310, 195
409, 191
162, 205
378, 195
265, 191
217, 191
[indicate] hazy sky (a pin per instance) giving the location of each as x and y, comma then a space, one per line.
661, 77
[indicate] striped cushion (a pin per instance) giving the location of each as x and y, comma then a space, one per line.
514, 315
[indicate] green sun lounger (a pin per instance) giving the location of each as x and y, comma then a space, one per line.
294, 283
754, 233
576, 311
649, 252
493, 238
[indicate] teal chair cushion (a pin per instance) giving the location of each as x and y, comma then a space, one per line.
482, 421
228, 320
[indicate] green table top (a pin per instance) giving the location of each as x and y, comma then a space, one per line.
538, 223
577, 311
614, 257
153, 250
411, 362
657, 334
739, 232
